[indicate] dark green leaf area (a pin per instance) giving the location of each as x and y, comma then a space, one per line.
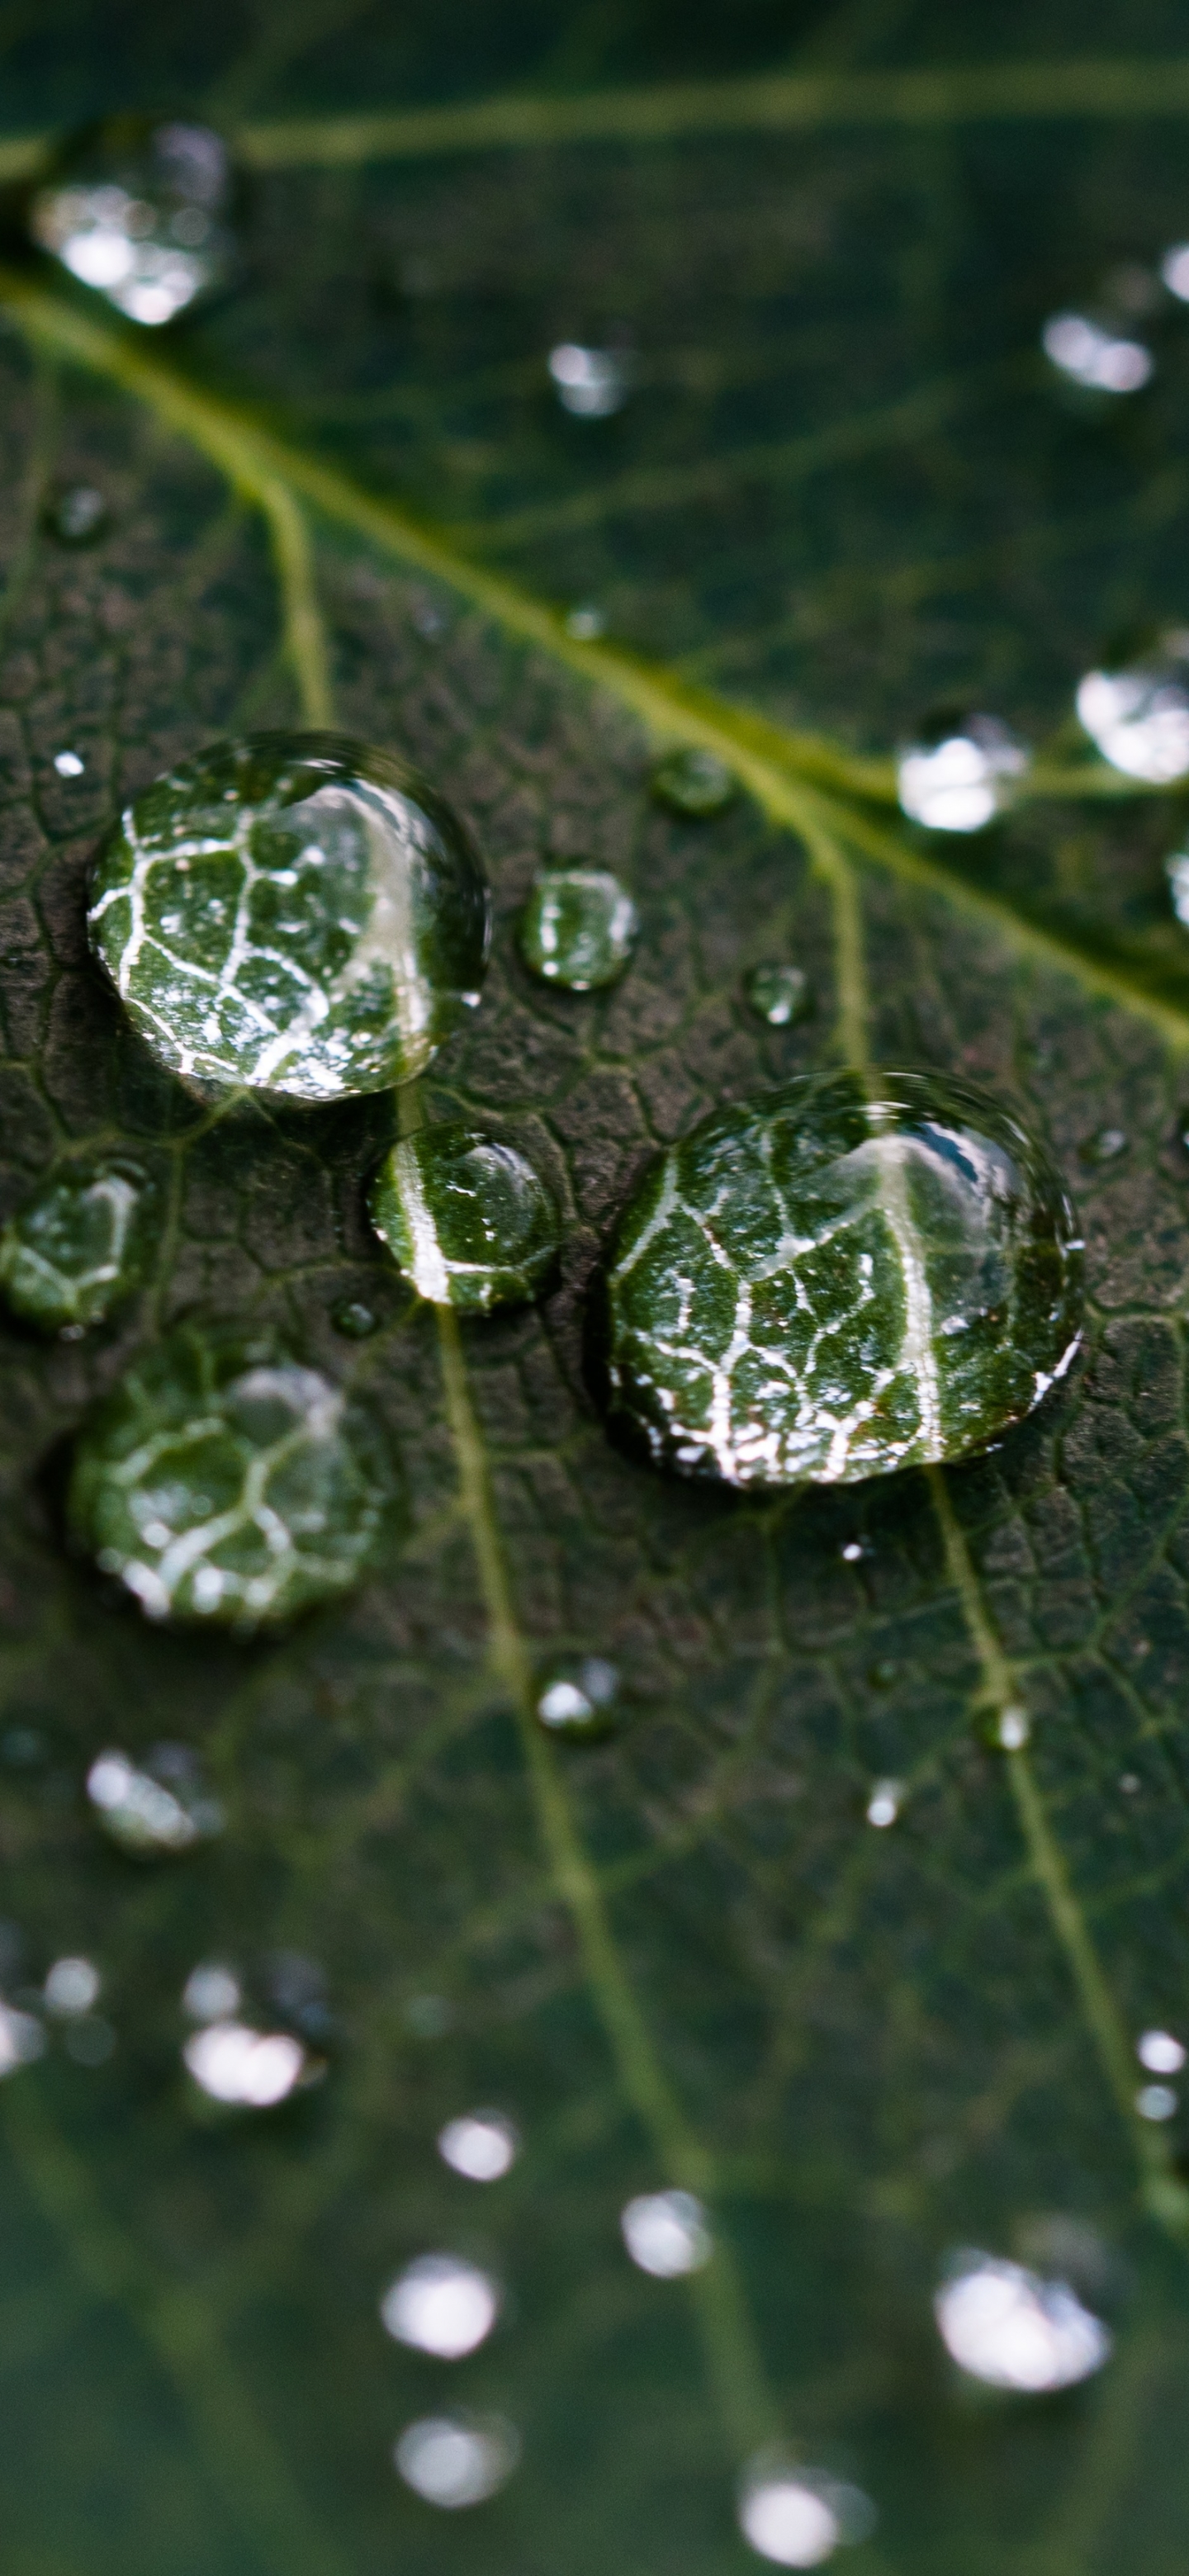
857, 1274
222, 1481
467, 1219
79, 1246
295, 914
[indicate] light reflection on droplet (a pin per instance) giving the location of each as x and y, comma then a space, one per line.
586, 623
69, 764
579, 1700
884, 1803
1156, 2102
481, 2145
798, 2516
22, 2039
1102, 361
211, 1992
666, 2233
959, 772
1176, 870
1174, 269
1012, 2328
1160, 2052
157, 1809
1011, 1729
454, 2460
1138, 712
441, 2304
590, 383
251, 2067
72, 1986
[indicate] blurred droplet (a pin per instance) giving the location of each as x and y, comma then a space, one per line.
1176, 870
1104, 1146
585, 623
1090, 354
853, 1551
1010, 1729
79, 1247
798, 2516
578, 928
22, 2039
1156, 2102
1013, 2328
69, 764
454, 2460
1174, 269
884, 1803
250, 2067
1160, 2052
959, 771
1137, 712
89, 2040
428, 2016
590, 383
353, 1319
778, 994
666, 2233
139, 210
153, 1810
481, 2145
75, 515
72, 1986
694, 783
211, 1992
578, 1700
442, 2305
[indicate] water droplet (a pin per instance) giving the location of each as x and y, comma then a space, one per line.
75, 515
71, 1987
353, 1319
590, 383
1176, 870
666, 2233
778, 994
1013, 2328
853, 1551
482, 2145
1136, 709
140, 211
578, 1698
221, 1482
1104, 1146
884, 1803
881, 1675
253, 2069
156, 1809
441, 2304
1010, 1729
586, 623
292, 913
694, 784
1092, 354
90, 2040
79, 1247
1160, 2052
456, 2460
211, 1992
1174, 269
466, 1219
853, 1274
798, 2516
1129, 1783
1156, 2102
578, 928
22, 2039
960, 771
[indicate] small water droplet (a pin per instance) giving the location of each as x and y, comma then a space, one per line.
223, 1483
798, 2516
853, 1551
1129, 1783
585, 623
353, 1319
155, 1809
429, 2016
79, 1247
1010, 1729
1160, 2052
293, 914
69, 764
211, 1992
1156, 2102
881, 1675
22, 2039
1104, 1146
1176, 870
250, 2069
481, 2145
884, 1803
457, 2460
778, 994
24, 1748
1013, 2328
591, 384
578, 928
1136, 709
1092, 354
774, 1309
466, 1218
71, 1986
666, 2233
960, 771
694, 783
1174, 269
76, 514
578, 1698
441, 2304
90, 2040
139, 210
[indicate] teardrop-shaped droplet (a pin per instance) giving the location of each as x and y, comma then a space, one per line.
853, 1274
76, 514
139, 208
578, 928
293, 913
222, 1482
466, 1218
79, 1247
694, 784
959, 771
1136, 709
578, 1697
778, 994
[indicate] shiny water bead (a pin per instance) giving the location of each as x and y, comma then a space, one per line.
1136, 709
466, 1218
1094, 354
222, 1482
139, 209
78, 1247
853, 1274
1176, 870
75, 515
960, 770
578, 1698
778, 994
578, 928
154, 1809
591, 384
694, 784
1013, 2328
292, 913
355, 1321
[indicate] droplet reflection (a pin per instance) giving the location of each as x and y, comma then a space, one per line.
778, 994
1156, 2102
666, 2233
579, 1698
154, 1809
1093, 356
1012, 2328
454, 2460
1137, 712
591, 383
22, 2039
959, 771
884, 1803
1160, 2052
798, 2516
71, 1987
441, 2304
139, 211
481, 2145
252, 2068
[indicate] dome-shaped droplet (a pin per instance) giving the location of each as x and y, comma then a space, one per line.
577, 1698
854, 1274
75, 513
139, 208
778, 994
292, 913
959, 771
578, 928
1136, 709
222, 1482
694, 784
78, 1247
466, 1218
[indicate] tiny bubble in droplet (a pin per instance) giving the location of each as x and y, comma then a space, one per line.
353, 1319
1104, 1146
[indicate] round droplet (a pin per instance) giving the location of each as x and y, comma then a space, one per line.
694, 784
1160, 2052
778, 994
1136, 709
294, 914
884, 1803
481, 2145
1104, 1146
798, 2516
959, 771
76, 514
666, 2233
591, 384
79, 1247
355, 1321
1174, 269
1091, 352
466, 1218
578, 928
1014, 2329
252, 2069
856, 1273
456, 2460
223, 1483
578, 1698
140, 210
156, 1808
441, 2304
71, 1987
585, 623
1156, 2102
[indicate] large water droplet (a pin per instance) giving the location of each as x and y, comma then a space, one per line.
156, 1808
75, 514
456, 2460
221, 1482
466, 1218
591, 383
798, 2516
1137, 709
1014, 2329
853, 1274
441, 2304
578, 928
959, 771
694, 784
1093, 354
578, 1698
78, 1247
140, 210
778, 994
293, 913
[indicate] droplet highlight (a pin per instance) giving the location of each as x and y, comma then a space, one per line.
76, 514
797, 2516
1136, 710
778, 994
1012, 2328
354, 1320
666, 2233
578, 928
1157, 2102
441, 2304
250, 2070
156, 1809
578, 1698
959, 771
884, 1803
590, 384
466, 1218
482, 2146
457, 2460
1092, 354
141, 211
79, 1247
695, 784
1160, 2052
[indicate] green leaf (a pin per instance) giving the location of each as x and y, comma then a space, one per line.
680, 1958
